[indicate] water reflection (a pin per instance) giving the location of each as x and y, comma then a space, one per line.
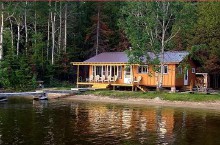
63, 122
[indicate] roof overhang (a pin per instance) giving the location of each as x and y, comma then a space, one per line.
110, 63
97, 63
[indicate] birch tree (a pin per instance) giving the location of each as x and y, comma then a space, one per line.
65, 28
1, 30
150, 27
25, 27
53, 21
48, 34
60, 29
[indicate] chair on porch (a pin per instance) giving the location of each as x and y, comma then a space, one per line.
102, 79
138, 79
91, 78
108, 79
97, 78
114, 79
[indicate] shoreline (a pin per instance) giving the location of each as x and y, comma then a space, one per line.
145, 102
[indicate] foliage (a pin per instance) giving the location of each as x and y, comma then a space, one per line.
205, 39
16, 74
134, 27
150, 27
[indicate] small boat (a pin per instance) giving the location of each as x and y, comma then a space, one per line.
41, 97
3, 99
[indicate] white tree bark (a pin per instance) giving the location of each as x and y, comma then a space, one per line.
1, 31
53, 19
12, 33
60, 32
65, 28
48, 36
18, 37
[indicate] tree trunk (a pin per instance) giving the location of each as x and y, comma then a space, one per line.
48, 36
65, 27
53, 18
60, 32
12, 34
97, 32
164, 29
35, 26
162, 59
25, 26
1, 31
18, 38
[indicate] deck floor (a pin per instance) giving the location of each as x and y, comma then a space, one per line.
111, 84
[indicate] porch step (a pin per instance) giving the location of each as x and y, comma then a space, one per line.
142, 88
100, 86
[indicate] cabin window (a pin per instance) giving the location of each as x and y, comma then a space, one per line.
193, 70
127, 71
120, 72
165, 69
104, 70
93, 70
180, 70
109, 70
143, 69
99, 70
113, 71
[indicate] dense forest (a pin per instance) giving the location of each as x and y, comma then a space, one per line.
38, 40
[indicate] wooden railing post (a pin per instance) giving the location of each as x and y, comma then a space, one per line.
77, 76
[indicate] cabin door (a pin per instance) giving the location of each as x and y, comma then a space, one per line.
127, 74
186, 77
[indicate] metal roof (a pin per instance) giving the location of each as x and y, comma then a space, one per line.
121, 57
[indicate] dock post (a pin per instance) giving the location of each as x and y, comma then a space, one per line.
77, 76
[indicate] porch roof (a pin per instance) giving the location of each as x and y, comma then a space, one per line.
119, 58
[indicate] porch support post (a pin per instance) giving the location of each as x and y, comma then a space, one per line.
173, 89
77, 76
132, 77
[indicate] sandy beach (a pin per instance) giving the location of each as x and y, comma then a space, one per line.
148, 102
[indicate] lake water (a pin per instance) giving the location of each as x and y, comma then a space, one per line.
25, 122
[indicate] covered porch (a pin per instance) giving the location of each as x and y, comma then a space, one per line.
107, 75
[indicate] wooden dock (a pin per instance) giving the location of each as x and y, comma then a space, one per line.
21, 94
37, 93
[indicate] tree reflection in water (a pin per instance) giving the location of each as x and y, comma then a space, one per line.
60, 122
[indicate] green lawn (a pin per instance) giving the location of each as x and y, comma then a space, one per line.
197, 97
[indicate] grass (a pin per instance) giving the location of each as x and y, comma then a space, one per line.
197, 97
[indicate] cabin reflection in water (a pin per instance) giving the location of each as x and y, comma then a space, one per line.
62, 122
130, 121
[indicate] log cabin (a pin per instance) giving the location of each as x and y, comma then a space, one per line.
113, 69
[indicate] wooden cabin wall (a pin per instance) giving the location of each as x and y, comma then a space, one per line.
179, 81
171, 79
149, 79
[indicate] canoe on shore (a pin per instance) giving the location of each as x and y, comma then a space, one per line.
3, 99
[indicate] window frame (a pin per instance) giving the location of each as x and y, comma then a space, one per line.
180, 70
164, 69
119, 72
193, 70
142, 69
